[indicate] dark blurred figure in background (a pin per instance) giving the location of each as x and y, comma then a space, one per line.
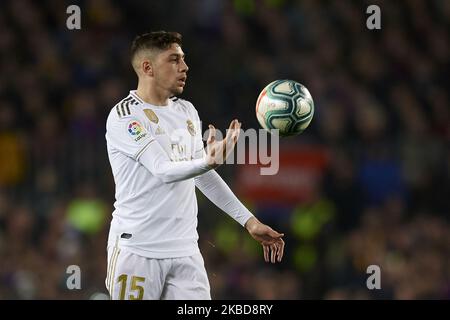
381, 127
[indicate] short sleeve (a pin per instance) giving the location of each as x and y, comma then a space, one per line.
128, 135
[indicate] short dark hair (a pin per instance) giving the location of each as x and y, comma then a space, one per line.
154, 40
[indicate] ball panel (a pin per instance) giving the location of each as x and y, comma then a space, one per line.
270, 104
274, 97
284, 87
282, 124
305, 92
304, 107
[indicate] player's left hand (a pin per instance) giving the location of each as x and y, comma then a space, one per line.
271, 240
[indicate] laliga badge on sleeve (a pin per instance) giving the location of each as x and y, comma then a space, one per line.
136, 130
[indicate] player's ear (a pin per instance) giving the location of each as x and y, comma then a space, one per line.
147, 67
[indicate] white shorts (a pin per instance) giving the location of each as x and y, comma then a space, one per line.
133, 277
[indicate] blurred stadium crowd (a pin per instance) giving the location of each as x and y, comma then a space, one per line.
382, 117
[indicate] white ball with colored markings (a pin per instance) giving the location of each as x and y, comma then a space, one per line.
285, 105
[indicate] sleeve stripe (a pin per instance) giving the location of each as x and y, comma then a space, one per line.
122, 107
140, 152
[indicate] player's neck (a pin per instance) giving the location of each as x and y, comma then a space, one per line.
150, 95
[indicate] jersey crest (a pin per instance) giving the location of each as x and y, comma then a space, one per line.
151, 115
191, 127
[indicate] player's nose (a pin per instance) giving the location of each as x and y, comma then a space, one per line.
184, 67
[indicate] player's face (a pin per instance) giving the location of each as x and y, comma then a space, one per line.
170, 70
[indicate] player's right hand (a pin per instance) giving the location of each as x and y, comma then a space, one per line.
218, 151
271, 240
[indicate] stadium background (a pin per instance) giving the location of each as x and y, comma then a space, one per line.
367, 183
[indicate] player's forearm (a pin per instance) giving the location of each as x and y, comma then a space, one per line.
216, 190
158, 163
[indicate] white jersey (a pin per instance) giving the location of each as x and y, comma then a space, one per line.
152, 218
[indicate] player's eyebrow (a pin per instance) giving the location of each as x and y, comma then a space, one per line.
177, 55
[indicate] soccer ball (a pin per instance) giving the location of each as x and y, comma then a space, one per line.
285, 105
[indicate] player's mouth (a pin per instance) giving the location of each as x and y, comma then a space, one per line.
182, 81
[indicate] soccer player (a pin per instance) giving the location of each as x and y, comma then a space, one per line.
157, 157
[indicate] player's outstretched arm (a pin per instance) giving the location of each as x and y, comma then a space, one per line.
158, 163
156, 160
271, 240
217, 191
